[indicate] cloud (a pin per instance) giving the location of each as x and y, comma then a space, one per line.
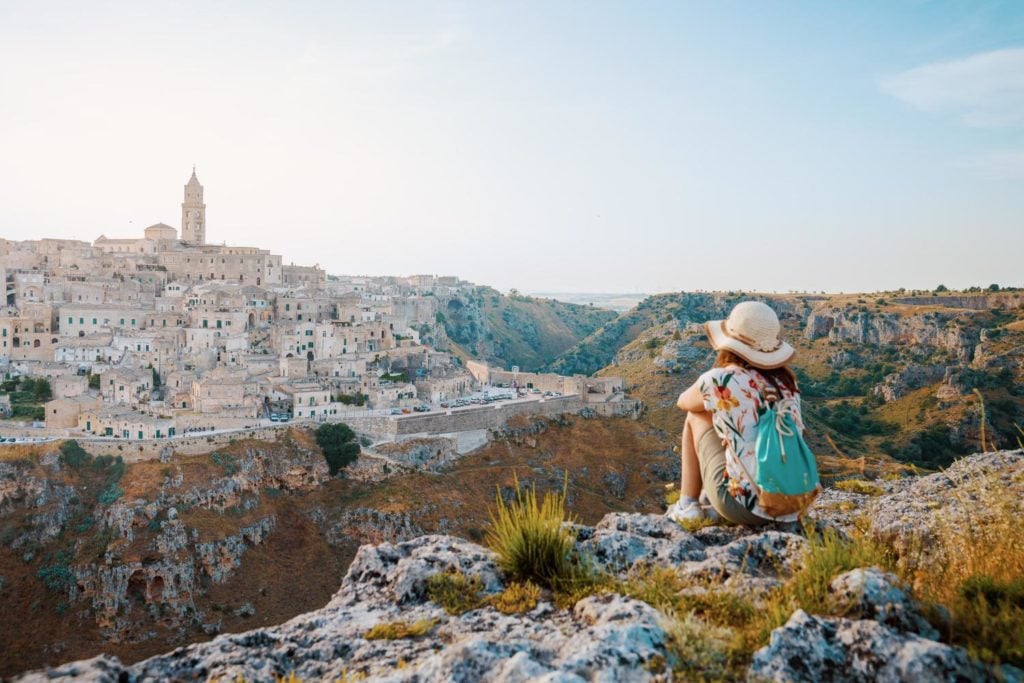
985, 90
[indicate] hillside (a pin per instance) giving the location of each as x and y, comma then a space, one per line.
517, 330
888, 378
129, 559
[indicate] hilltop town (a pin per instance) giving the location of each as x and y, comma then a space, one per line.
166, 336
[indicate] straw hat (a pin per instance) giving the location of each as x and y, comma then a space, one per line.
751, 332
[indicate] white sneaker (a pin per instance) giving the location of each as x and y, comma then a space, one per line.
681, 511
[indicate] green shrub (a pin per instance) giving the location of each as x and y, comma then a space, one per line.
73, 455
56, 577
988, 617
339, 445
529, 539
455, 592
110, 494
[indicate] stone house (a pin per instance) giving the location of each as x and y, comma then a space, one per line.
64, 413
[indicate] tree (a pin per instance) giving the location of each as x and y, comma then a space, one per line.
941, 288
339, 444
41, 390
993, 288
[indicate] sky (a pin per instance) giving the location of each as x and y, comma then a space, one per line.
545, 146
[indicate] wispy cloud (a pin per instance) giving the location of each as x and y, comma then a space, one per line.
985, 90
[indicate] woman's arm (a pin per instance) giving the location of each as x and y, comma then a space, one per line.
691, 400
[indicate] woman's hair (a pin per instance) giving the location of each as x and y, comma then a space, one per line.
776, 376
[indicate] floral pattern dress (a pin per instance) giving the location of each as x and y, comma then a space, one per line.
736, 399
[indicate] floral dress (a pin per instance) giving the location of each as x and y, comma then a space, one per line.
735, 397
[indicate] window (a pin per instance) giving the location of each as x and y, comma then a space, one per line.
81, 321
71, 321
94, 321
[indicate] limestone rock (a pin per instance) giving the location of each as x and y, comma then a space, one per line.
817, 649
870, 593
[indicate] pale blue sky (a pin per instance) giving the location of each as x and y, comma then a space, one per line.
567, 146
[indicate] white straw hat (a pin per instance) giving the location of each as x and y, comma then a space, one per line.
751, 332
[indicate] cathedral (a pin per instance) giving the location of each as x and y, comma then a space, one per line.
190, 258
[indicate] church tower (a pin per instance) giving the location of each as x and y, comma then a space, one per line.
193, 213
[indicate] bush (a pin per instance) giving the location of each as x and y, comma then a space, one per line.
110, 494
73, 455
529, 539
56, 577
339, 445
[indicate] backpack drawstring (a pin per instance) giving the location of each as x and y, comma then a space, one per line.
783, 430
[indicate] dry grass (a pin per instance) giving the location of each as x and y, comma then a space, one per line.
865, 488
455, 592
974, 568
397, 630
517, 598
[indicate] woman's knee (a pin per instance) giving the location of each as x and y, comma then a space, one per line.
698, 419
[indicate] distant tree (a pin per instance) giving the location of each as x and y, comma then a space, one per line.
41, 390
941, 288
993, 288
339, 444
94, 381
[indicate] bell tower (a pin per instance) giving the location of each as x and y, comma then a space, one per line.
193, 213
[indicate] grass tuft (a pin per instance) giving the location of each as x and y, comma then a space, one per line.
697, 650
693, 525
529, 539
865, 488
455, 592
517, 598
396, 630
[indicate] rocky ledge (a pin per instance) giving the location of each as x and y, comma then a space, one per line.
604, 637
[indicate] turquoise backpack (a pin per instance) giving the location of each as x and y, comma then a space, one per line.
787, 474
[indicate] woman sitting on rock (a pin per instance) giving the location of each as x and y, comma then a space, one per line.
723, 407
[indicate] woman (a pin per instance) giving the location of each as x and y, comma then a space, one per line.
723, 407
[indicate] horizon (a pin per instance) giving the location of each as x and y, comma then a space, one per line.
845, 148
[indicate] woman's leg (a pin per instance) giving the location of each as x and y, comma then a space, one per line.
697, 424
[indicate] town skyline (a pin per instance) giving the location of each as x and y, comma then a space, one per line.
868, 148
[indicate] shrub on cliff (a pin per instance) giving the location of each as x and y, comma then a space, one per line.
533, 546
339, 444
73, 455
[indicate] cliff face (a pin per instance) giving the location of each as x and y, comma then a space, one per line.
882, 635
99, 556
140, 555
517, 330
949, 332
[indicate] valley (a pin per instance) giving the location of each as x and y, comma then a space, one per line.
133, 559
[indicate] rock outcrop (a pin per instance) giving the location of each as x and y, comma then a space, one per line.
881, 634
946, 331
